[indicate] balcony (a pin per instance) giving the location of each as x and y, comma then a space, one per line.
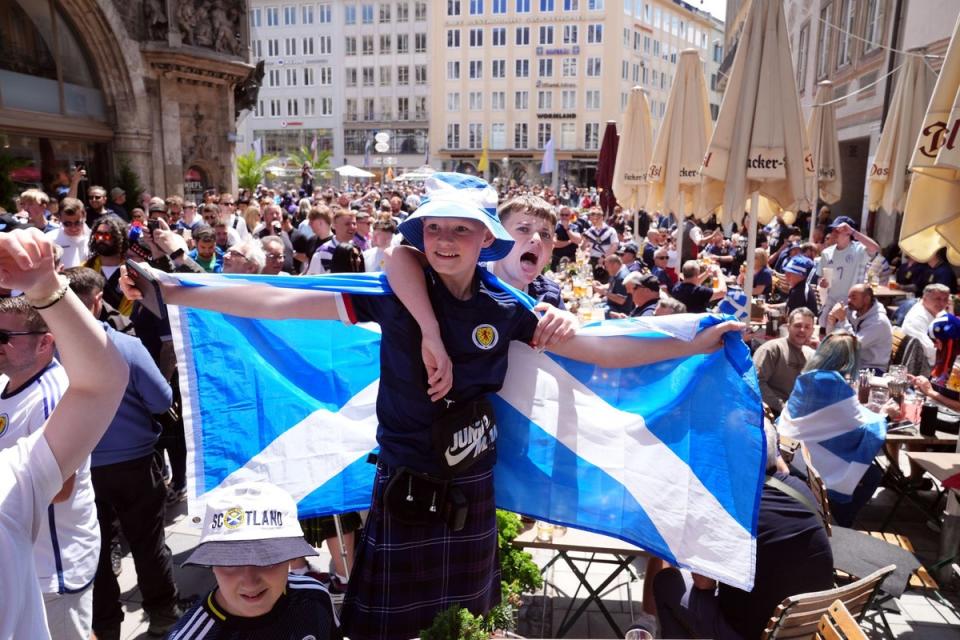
380, 118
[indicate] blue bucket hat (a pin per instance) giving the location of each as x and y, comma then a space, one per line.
457, 195
841, 220
799, 265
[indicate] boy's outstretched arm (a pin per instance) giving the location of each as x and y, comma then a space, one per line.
247, 301
622, 352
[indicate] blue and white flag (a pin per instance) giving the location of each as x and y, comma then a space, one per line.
667, 456
842, 435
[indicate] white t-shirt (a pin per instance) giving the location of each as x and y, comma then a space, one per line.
239, 225
849, 265
29, 479
917, 325
65, 558
373, 259
76, 249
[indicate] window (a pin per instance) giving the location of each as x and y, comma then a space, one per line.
453, 101
823, 43
420, 11
307, 43
593, 99
636, 40
309, 106
520, 136
326, 76
420, 43
636, 73
523, 6
386, 44
521, 100
475, 135
546, 35
476, 37
256, 20
420, 73
350, 46
453, 70
643, 74
403, 43
476, 69
290, 46
326, 45
351, 77
453, 38
593, 67
499, 35
646, 44
386, 108
476, 7
306, 16
368, 112
350, 14
351, 109
498, 100
403, 74
273, 17
569, 67
257, 49
367, 44
845, 36
570, 34
544, 100
420, 105
403, 12
326, 106
453, 7
591, 138
275, 108
545, 68
293, 107
498, 136
453, 136
273, 78
499, 69
595, 5
367, 75
258, 111
594, 33
522, 69
872, 25
802, 45
289, 15
273, 47
568, 135
546, 5
523, 35
384, 12
324, 14
309, 76
367, 13
568, 99
499, 6
476, 101
571, 5
544, 134
386, 76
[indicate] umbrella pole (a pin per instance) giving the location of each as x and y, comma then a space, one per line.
751, 244
636, 224
343, 548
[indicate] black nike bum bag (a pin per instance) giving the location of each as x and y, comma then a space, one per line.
464, 436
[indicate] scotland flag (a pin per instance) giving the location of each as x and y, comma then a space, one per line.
668, 456
842, 436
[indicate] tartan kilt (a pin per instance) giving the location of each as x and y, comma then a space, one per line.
403, 576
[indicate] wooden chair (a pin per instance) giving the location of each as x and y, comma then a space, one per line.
818, 489
838, 624
799, 616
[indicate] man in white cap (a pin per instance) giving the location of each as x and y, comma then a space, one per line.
250, 535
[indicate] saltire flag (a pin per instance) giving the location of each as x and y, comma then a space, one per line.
549, 162
668, 456
842, 436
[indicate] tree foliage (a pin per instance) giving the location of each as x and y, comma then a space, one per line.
250, 170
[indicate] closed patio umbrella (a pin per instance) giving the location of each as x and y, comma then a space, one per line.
931, 216
633, 154
605, 166
889, 175
759, 143
822, 134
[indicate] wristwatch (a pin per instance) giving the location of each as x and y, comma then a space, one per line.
176, 255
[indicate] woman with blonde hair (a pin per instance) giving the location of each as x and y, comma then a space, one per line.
251, 215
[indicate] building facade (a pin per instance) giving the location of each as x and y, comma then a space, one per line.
341, 73
510, 75
101, 83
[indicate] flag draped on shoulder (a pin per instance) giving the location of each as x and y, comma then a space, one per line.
668, 456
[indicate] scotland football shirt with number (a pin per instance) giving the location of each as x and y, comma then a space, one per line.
476, 334
68, 544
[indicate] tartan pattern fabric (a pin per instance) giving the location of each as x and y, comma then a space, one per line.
404, 575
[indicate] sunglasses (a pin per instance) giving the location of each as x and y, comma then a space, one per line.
72, 223
235, 255
6, 335
102, 236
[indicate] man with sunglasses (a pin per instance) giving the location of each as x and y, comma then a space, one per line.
73, 236
97, 197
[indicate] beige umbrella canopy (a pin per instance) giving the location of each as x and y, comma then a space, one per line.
889, 177
675, 183
633, 153
931, 216
822, 134
759, 144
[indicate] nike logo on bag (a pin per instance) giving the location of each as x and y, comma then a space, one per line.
453, 459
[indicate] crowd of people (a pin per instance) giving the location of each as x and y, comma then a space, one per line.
73, 334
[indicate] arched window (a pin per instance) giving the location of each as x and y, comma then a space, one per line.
42, 65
